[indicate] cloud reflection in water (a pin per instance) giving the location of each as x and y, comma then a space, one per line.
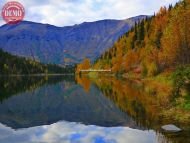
67, 132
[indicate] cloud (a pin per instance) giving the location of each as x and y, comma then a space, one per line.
69, 132
70, 12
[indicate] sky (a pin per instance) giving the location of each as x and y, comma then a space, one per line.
70, 12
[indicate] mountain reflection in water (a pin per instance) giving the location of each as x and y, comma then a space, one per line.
79, 109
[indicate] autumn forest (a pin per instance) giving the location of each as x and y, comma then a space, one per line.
153, 45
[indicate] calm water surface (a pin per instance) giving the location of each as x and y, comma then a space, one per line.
68, 109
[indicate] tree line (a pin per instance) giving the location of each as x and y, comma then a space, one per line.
10, 64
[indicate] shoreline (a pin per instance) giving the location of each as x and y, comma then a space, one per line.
20, 75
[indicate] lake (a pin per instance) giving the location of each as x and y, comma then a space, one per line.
69, 109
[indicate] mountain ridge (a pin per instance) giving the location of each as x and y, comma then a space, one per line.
63, 45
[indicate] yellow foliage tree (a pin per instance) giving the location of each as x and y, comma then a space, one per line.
84, 65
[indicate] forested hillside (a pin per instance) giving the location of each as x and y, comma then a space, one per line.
152, 46
10, 64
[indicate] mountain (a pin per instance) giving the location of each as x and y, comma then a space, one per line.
63, 45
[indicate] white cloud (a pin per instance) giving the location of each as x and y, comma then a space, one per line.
70, 12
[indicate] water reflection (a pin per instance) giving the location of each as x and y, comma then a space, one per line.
130, 97
62, 100
67, 132
13, 85
80, 109
142, 102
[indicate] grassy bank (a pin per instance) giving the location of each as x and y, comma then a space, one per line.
173, 89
